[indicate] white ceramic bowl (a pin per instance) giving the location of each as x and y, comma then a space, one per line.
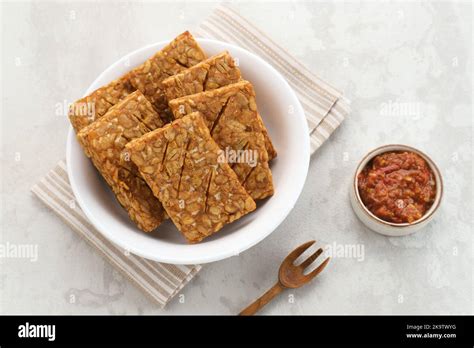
289, 134
388, 228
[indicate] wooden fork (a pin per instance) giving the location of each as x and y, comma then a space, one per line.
289, 276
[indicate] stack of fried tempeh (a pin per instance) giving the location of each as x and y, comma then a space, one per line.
204, 169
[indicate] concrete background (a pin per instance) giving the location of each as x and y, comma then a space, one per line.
407, 67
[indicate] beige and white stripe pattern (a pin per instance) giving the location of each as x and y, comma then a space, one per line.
159, 281
325, 109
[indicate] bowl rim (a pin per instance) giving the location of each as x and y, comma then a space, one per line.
233, 250
399, 147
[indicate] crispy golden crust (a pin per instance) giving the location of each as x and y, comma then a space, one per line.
212, 73
92, 107
272, 153
180, 162
184, 50
140, 107
180, 54
104, 140
231, 115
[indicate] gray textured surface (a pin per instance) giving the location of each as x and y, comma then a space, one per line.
400, 54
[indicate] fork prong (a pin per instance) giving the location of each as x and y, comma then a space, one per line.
318, 270
298, 251
310, 259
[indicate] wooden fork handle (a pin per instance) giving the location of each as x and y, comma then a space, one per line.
263, 300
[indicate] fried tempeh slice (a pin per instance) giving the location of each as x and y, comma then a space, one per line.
272, 153
213, 73
182, 53
178, 55
140, 107
231, 114
180, 162
104, 140
85, 110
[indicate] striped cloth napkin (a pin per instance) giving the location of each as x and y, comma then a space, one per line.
325, 109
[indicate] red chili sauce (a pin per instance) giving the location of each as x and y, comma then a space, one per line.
397, 187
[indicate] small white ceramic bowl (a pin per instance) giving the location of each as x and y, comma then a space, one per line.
389, 228
289, 133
